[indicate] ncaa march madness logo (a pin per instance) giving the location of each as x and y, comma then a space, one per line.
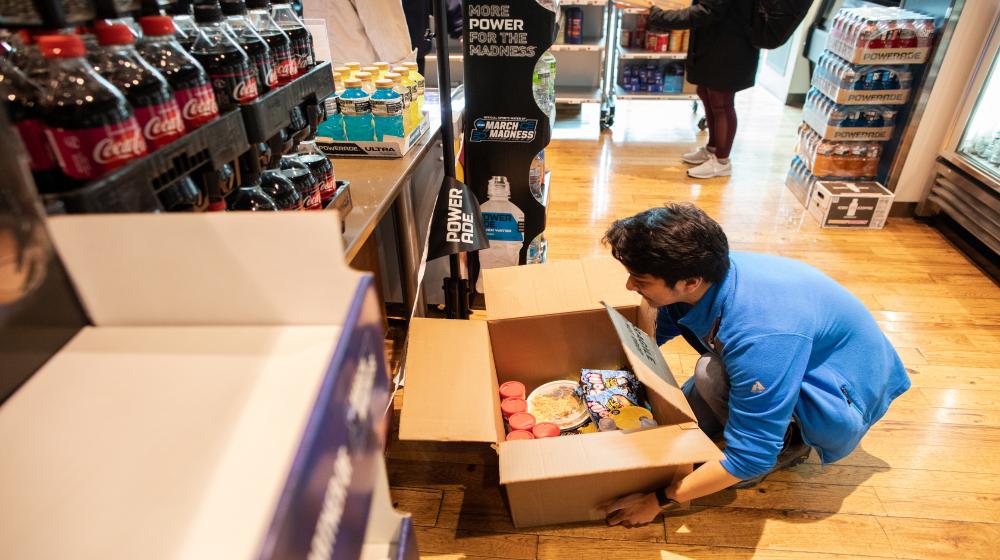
504, 129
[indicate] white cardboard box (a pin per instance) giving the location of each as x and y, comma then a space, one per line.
845, 204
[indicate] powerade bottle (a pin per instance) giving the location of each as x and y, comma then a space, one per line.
356, 106
421, 83
285, 65
255, 46
387, 109
333, 126
407, 81
504, 224
404, 91
367, 81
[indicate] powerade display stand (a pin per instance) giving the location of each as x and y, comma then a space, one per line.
505, 127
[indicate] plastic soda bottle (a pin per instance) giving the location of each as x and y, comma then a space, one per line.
367, 81
412, 86
387, 110
356, 106
421, 83
404, 91
333, 126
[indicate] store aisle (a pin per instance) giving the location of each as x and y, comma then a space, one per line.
925, 483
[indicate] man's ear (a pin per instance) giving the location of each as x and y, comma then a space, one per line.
690, 285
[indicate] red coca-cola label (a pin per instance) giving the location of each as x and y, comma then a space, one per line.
245, 90
328, 187
90, 153
314, 201
286, 68
161, 124
197, 105
32, 133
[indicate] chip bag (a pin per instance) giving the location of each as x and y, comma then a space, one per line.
615, 394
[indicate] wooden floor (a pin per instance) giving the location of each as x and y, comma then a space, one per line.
925, 482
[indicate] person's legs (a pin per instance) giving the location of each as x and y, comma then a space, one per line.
723, 120
708, 394
702, 92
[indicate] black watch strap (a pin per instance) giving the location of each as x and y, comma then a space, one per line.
662, 499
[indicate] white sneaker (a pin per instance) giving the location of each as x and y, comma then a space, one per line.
711, 168
700, 155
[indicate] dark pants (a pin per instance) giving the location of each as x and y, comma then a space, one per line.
720, 116
707, 392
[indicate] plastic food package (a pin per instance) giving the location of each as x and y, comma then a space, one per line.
616, 395
559, 403
831, 158
847, 122
800, 180
851, 84
881, 35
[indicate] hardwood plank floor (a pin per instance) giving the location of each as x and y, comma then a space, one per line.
925, 483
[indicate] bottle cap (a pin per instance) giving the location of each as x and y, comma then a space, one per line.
519, 434
207, 11
521, 421
512, 389
233, 7
157, 25
180, 8
363, 76
342, 69
513, 406
387, 84
370, 69
353, 65
61, 46
352, 83
395, 77
114, 34
401, 70
545, 429
412, 66
381, 65
258, 4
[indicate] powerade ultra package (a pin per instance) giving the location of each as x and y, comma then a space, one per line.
615, 394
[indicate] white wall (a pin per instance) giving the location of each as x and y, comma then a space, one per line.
947, 97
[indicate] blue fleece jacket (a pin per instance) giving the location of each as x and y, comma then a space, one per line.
793, 342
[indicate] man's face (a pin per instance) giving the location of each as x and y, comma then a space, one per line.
655, 290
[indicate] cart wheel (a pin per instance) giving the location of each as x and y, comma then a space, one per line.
702, 124
607, 119
694, 106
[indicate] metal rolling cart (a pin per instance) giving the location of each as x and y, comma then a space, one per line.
618, 56
576, 81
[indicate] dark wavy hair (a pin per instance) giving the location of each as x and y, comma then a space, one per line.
674, 243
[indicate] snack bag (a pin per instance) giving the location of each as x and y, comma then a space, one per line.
615, 394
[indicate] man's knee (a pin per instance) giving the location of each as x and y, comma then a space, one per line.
712, 383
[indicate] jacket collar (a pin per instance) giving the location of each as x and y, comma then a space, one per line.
702, 317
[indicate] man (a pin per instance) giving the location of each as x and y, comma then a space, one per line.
791, 361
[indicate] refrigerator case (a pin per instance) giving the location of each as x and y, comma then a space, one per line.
966, 182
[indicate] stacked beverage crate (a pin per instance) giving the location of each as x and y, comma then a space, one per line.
859, 86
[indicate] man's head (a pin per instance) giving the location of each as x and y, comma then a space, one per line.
673, 254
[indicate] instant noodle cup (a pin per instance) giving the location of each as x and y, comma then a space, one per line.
521, 421
512, 406
545, 429
519, 434
559, 402
512, 390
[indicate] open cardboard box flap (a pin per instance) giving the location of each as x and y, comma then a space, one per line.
556, 287
451, 387
668, 401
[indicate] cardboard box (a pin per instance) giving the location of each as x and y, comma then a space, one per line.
391, 148
225, 404
546, 322
841, 204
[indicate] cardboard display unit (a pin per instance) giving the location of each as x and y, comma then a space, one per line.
392, 147
225, 404
844, 204
544, 323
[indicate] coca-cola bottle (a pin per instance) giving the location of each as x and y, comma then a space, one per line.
89, 124
185, 75
255, 46
281, 190
27, 56
145, 88
304, 180
249, 196
24, 99
187, 30
302, 41
227, 64
285, 64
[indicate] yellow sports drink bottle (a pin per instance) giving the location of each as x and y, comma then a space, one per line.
404, 91
354, 66
383, 69
419, 80
371, 69
406, 80
340, 74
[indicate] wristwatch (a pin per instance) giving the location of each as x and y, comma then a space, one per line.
666, 504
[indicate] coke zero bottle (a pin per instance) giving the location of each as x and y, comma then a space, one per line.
145, 88
187, 30
24, 110
186, 77
302, 41
233, 78
255, 46
281, 190
89, 124
285, 64
249, 196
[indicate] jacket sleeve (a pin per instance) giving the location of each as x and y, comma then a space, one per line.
765, 377
705, 12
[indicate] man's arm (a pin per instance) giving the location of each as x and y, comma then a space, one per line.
705, 12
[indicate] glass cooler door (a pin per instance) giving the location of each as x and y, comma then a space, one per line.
979, 147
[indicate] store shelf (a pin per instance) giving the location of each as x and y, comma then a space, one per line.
576, 95
269, 113
620, 93
641, 54
595, 45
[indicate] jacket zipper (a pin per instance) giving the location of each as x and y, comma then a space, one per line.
850, 402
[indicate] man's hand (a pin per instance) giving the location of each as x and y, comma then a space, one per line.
634, 3
633, 510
